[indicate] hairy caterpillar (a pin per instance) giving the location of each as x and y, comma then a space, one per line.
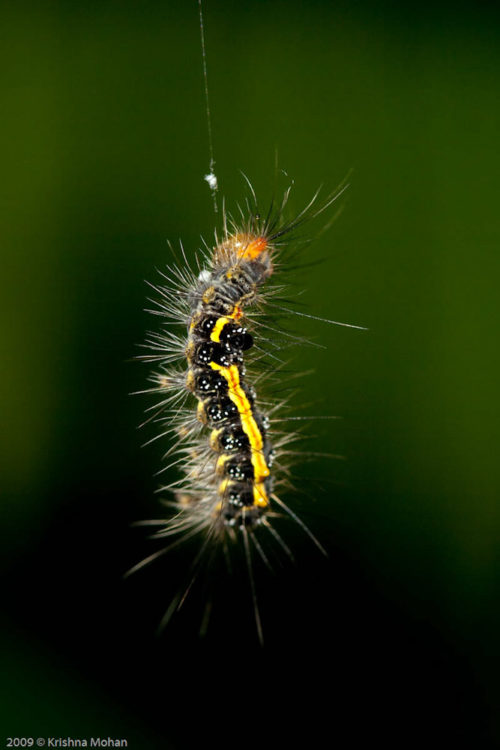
230, 453
229, 448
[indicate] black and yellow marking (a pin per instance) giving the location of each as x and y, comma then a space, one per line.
217, 329
236, 314
250, 428
213, 330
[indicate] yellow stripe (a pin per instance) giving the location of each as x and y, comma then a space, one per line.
259, 495
250, 428
217, 330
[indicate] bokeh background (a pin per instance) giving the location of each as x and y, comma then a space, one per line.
104, 148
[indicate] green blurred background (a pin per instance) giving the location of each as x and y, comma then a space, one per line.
104, 148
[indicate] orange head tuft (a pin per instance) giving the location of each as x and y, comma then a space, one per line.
246, 246
252, 247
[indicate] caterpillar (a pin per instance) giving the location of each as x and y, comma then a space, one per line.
230, 453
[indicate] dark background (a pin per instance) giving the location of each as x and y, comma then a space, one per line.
104, 147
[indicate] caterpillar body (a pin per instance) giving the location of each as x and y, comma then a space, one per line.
232, 460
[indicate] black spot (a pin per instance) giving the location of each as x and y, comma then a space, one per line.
236, 337
204, 354
220, 411
241, 497
224, 356
247, 341
211, 382
239, 469
233, 440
